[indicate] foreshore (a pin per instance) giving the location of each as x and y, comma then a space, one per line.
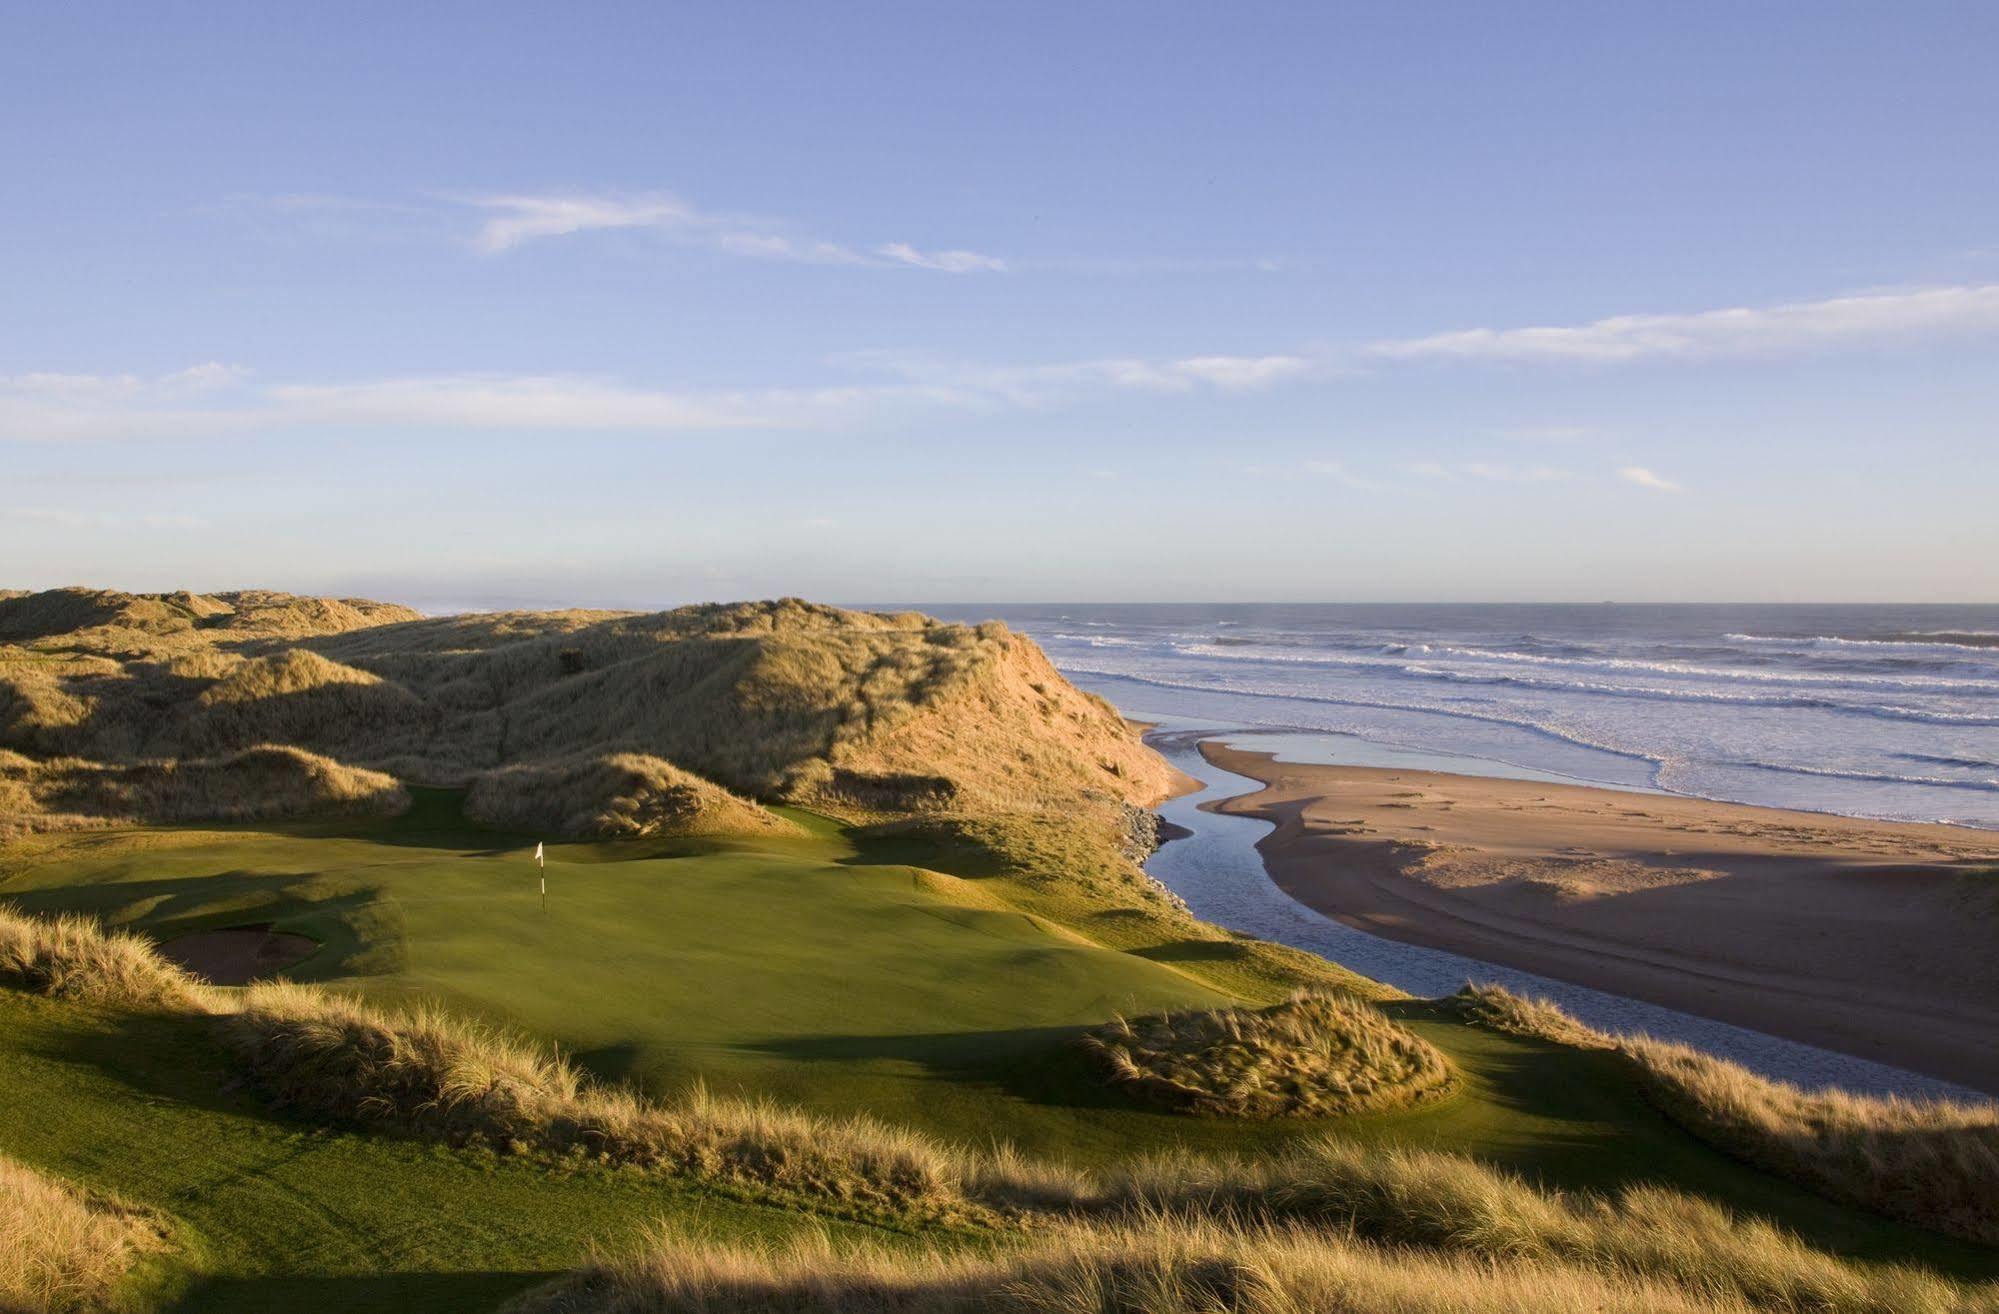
1870, 938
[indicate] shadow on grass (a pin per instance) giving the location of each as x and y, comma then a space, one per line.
359, 933
364, 1293
1038, 1065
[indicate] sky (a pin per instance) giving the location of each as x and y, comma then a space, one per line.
495, 305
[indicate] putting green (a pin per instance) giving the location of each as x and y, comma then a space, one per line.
779, 966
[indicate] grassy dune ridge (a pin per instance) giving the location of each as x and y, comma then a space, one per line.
1930, 1162
864, 714
612, 795
1312, 1055
430, 1075
262, 782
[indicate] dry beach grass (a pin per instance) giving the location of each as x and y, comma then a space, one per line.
1313, 1055
613, 796
1930, 1162
61, 1249
1161, 1265
428, 1074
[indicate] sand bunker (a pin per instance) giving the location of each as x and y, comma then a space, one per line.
238, 955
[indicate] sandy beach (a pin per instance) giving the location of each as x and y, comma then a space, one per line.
1873, 938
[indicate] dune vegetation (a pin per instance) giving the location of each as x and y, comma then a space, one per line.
858, 713
1160, 1265
1313, 1055
261, 783
613, 796
63, 1250
1311, 1213
74, 958
1930, 1162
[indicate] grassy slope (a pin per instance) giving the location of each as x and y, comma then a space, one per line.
275, 1214
795, 967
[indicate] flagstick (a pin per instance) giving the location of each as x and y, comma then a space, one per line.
542, 864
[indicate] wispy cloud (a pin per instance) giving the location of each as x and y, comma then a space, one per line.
950, 262
216, 399
521, 219
517, 219
1494, 473
1038, 384
516, 402
1491, 472
1644, 478
1338, 473
1800, 326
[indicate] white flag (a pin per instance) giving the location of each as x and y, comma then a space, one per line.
537, 856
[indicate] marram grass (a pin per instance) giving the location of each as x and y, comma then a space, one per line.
63, 1250
1934, 1163
425, 1073
1313, 1055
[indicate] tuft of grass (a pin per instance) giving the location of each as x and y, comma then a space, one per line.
1934, 1163
61, 1249
1457, 1206
1313, 1055
614, 796
74, 958
1154, 1264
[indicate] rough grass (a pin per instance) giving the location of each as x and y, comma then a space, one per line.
431, 1075
261, 783
1313, 1055
61, 1249
1159, 1265
614, 796
1456, 1205
856, 711
1934, 1163
74, 958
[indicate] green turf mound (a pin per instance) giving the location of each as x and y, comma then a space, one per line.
1314, 1055
615, 796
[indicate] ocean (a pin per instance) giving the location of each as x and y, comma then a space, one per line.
1875, 711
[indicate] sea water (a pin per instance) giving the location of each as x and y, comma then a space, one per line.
1877, 711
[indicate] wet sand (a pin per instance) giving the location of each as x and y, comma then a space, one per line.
1878, 939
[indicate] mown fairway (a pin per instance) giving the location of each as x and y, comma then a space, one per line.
794, 967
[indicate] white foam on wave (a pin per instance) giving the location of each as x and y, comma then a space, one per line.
1100, 640
1812, 679
1963, 652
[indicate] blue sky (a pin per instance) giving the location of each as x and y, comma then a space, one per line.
494, 304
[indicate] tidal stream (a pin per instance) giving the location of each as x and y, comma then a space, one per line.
1218, 871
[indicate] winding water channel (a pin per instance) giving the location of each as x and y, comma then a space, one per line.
1220, 874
